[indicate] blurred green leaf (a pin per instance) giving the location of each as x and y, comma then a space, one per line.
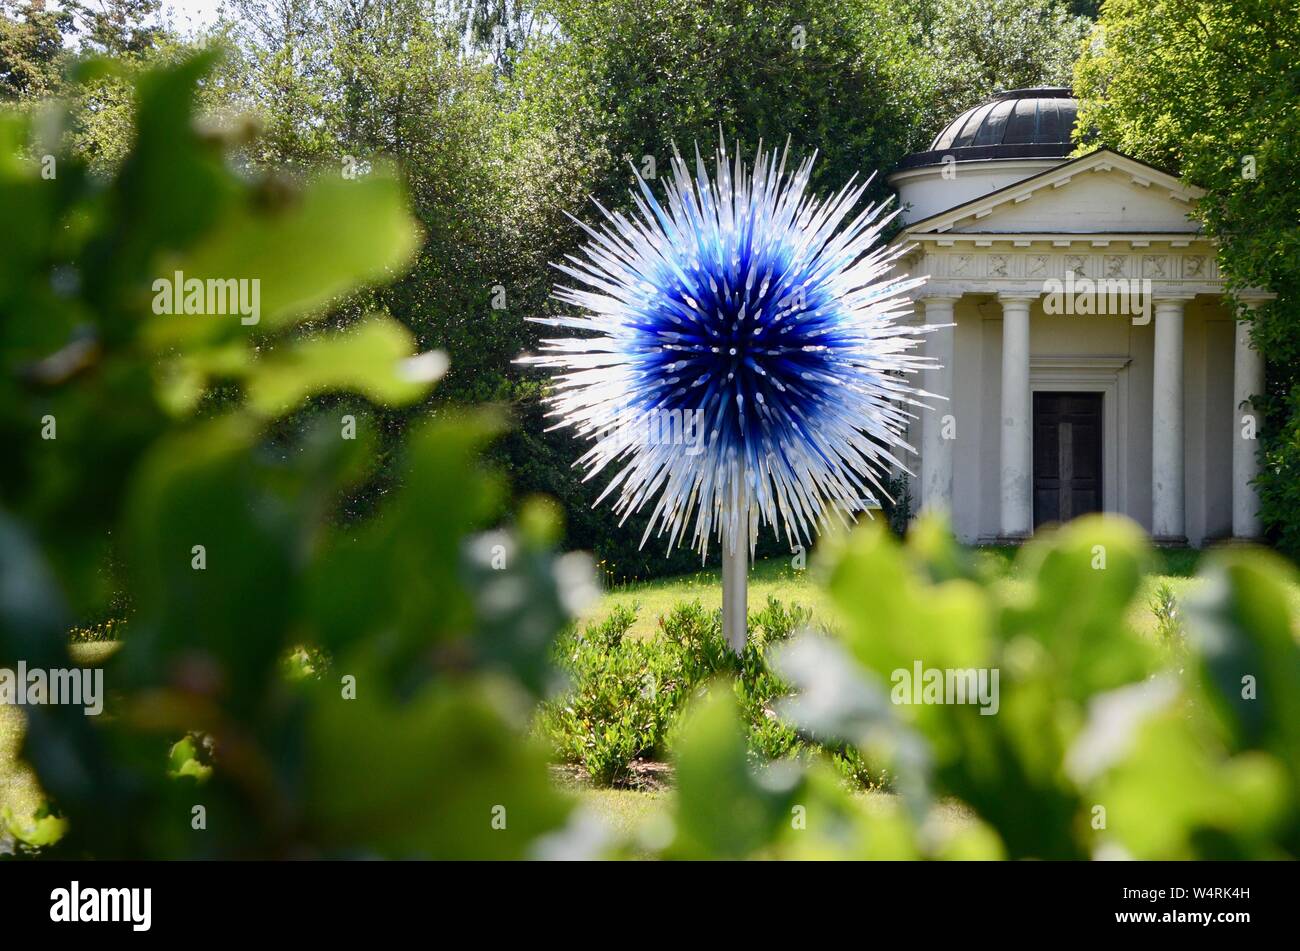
442, 775
333, 237
1241, 624
724, 808
372, 358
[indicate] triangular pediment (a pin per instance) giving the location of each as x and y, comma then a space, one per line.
1101, 192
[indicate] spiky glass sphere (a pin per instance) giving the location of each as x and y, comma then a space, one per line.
743, 357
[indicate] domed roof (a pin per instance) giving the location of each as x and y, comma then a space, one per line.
1018, 123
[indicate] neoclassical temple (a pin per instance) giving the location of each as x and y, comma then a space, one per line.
1088, 358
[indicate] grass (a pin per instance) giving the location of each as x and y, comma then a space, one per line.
777, 577
773, 577
644, 818
633, 816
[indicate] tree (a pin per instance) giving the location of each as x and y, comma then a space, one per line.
984, 46
1208, 90
500, 28
281, 52
505, 116
32, 50
39, 45
121, 38
118, 27
628, 82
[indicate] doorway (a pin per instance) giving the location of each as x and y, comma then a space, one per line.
1067, 456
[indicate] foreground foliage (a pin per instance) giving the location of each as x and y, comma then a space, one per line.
149, 459
363, 687
1104, 744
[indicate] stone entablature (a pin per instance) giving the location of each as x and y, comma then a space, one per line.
995, 263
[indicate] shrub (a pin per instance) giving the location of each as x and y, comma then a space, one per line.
896, 505
852, 766
1169, 623
758, 688
696, 636
621, 698
625, 695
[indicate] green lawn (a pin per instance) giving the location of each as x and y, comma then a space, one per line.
776, 577
644, 818
770, 577
633, 815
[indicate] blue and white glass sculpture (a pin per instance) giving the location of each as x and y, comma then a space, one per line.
742, 359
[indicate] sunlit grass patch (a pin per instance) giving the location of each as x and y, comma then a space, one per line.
779, 578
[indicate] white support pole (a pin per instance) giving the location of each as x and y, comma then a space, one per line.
735, 584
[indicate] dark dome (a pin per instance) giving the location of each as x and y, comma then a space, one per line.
1018, 123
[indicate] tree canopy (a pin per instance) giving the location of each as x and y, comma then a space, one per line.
1209, 90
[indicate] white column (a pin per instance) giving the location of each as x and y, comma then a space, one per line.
1247, 381
1167, 498
936, 450
1017, 466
